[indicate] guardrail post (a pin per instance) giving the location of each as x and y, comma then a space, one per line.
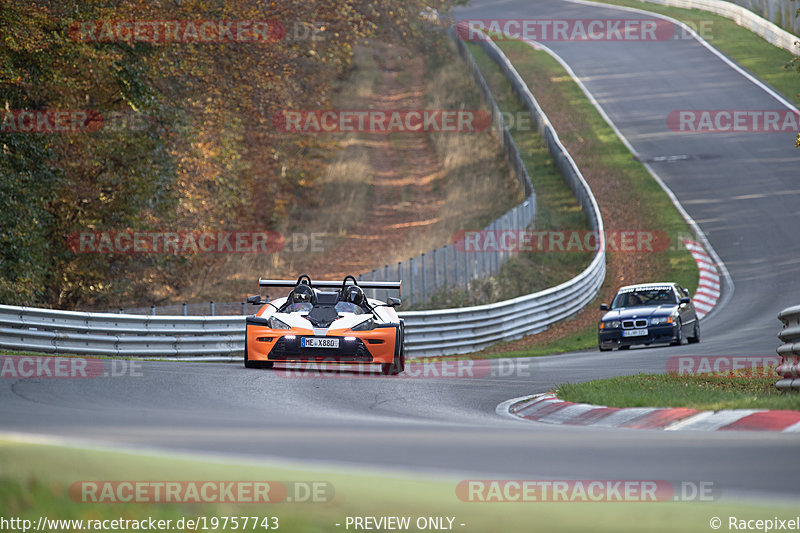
121, 311
424, 282
789, 369
243, 308
435, 272
185, 311
153, 310
446, 266
411, 276
212, 308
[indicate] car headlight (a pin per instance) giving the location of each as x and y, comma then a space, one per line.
661, 320
364, 326
275, 323
610, 324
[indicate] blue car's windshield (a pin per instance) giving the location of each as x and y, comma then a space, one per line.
639, 297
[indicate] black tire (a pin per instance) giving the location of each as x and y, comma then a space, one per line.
678, 336
695, 338
255, 364
398, 364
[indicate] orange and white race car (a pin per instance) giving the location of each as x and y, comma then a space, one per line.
326, 322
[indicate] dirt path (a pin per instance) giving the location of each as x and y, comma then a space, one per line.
405, 201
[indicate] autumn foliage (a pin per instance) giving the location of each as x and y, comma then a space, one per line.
186, 140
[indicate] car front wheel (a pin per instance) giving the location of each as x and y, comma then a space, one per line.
695, 338
679, 335
255, 364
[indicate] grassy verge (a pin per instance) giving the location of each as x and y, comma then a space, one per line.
36, 478
767, 62
734, 390
556, 207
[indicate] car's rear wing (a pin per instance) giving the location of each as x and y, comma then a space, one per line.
291, 283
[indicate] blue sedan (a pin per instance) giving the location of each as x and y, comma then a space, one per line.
649, 313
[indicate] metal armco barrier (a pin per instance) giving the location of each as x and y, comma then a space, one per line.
428, 333
789, 369
53, 331
746, 18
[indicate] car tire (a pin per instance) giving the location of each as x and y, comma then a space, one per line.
255, 364
398, 364
600, 346
678, 336
695, 338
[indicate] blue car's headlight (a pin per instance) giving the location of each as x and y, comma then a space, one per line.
364, 326
661, 320
610, 324
275, 323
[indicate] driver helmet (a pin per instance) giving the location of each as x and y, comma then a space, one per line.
302, 293
354, 294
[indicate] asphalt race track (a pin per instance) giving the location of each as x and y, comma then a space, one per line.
743, 190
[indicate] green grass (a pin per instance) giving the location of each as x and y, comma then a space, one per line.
765, 61
700, 391
35, 479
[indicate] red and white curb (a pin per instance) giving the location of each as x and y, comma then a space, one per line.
548, 409
708, 288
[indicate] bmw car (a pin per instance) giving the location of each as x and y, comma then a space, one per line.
326, 322
649, 313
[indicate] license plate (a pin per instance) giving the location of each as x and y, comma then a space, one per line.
634, 333
319, 342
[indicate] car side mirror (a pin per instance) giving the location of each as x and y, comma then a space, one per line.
394, 302
686, 300
686, 292
256, 300
604, 307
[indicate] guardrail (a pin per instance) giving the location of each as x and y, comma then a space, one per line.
789, 369
54, 331
428, 333
744, 17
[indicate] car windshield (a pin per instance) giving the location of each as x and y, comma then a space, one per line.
639, 297
299, 307
348, 307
